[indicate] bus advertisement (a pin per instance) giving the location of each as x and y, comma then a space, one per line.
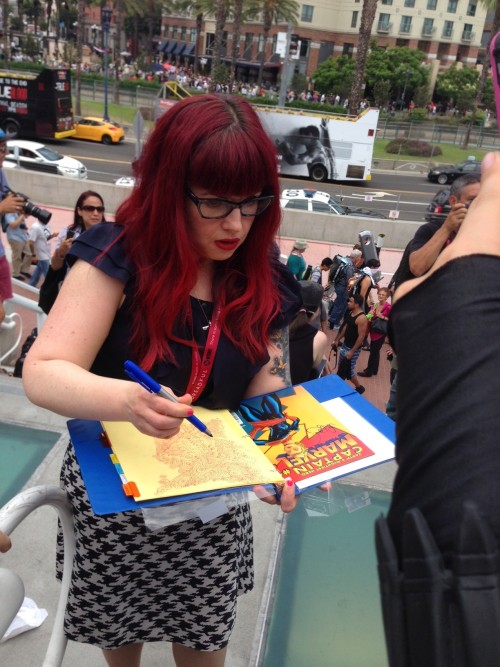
36, 105
322, 147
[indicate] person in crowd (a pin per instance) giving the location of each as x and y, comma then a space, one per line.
40, 237
187, 284
9, 203
18, 238
353, 331
307, 343
448, 419
339, 279
379, 311
431, 238
296, 262
317, 272
89, 211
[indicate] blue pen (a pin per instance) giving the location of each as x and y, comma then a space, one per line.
146, 381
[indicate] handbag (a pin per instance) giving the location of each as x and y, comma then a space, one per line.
379, 326
49, 289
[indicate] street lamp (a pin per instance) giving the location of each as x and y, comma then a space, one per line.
106, 14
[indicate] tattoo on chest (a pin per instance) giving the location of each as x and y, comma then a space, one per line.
281, 360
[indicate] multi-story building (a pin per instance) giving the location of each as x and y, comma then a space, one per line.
447, 31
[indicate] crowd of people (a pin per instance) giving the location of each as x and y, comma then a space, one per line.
206, 312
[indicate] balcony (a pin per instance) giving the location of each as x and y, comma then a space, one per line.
384, 27
467, 36
447, 34
428, 32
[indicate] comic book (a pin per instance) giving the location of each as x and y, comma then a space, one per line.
284, 435
311, 442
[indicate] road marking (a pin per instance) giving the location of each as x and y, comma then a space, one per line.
99, 159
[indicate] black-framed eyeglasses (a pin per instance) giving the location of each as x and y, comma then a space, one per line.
90, 209
215, 208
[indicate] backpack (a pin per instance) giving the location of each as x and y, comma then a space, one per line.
338, 270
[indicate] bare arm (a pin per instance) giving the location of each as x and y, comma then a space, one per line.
320, 344
275, 374
362, 324
56, 372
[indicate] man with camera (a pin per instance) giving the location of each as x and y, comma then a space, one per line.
9, 203
431, 238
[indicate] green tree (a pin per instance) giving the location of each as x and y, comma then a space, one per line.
335, 75
399, 65
365, 31
458, 85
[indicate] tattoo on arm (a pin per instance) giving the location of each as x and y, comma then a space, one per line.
280, 365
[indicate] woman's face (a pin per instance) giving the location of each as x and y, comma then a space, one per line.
217, 239
382, 296
90, 213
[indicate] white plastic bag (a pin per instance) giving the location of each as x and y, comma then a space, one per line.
28, 617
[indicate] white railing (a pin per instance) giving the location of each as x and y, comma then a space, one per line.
8, 335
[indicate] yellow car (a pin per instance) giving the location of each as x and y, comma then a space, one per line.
97, 129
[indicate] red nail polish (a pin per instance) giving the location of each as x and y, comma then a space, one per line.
190, 413
289, 482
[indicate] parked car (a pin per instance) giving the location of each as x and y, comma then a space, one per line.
439, 207
447, 174
316, 201
38, 157
97, 129
125, 181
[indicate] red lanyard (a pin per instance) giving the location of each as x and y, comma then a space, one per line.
201, 368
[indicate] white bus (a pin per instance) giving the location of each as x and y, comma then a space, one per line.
322, 147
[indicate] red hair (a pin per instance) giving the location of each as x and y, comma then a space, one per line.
216, 143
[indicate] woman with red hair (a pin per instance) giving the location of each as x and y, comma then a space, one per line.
188, 284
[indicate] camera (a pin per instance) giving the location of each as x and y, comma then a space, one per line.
31, 209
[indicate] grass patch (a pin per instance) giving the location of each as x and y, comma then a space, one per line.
451, 154
120, 113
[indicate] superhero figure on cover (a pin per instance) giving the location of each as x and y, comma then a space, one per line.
270, 422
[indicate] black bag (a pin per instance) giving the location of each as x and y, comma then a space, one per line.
344, 369
379, 326
18, 368
50, 288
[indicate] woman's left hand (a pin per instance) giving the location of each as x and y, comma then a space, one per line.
287, 498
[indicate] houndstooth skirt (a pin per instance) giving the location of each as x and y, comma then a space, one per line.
178, 584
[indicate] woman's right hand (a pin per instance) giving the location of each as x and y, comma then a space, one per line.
153, 415
64, 247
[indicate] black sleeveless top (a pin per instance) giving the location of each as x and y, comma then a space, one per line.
302, 354
231, 372
446, 335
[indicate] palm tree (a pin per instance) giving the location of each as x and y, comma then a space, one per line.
222, 8
235, 50
272, 12
6, 24
365, 31
79, 52
495, 27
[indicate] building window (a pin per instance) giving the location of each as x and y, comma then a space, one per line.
448, 29
348, 50
174, 31
183, 34
428, 27
452, 6
307, 13
467, 34
193, 35
431, 4
384, 23
471, 9
409, 3
405, 24
387, 2
354, 20
260, 47
248, 39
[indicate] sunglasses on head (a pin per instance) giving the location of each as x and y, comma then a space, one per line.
91, 209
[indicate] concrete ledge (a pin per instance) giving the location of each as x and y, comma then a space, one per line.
50, 190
